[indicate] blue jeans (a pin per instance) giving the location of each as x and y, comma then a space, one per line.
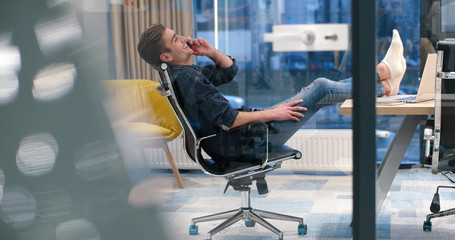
320, 93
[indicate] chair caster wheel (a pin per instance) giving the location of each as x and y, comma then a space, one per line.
250, 223
302, 229
193, 230
426, 226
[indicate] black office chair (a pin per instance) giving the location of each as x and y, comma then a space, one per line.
239, 174
440, 131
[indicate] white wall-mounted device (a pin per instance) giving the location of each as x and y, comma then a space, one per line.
309, 37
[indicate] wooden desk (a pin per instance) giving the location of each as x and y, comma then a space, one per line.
422, 108
413, 114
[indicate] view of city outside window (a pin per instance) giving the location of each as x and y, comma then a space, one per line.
266, 77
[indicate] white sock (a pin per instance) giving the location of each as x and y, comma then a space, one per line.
395, 62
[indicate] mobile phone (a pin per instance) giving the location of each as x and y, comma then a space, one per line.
189, 45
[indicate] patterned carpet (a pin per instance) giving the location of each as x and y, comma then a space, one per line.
323, 200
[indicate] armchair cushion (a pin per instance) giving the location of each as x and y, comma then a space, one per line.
146, 131
145, 113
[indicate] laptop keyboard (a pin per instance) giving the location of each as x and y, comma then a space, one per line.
409, 98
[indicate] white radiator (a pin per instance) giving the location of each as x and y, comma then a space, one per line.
322, 150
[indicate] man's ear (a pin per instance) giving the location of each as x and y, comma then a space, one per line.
165, 57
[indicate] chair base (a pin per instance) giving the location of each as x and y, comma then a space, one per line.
435, 208
249, 215
427, 223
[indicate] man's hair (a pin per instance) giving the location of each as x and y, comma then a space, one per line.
150, 45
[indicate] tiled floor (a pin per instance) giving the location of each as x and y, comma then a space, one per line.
323, 200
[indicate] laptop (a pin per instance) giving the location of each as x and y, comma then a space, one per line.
426, 87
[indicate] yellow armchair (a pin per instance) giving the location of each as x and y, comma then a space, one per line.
144, 114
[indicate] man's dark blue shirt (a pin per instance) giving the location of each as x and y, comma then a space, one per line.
207, 109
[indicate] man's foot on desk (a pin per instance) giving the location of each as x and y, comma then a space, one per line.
393, 66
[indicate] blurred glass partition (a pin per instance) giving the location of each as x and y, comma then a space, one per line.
62, 173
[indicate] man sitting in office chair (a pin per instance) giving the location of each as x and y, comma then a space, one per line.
209, 112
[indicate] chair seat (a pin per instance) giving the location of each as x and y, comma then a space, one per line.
232, 166
148, 132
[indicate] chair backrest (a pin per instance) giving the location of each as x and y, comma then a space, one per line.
138, 100
167, 90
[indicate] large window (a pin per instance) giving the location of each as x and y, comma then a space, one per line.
266, 77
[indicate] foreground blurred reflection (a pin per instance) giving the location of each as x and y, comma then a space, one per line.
9, 86
54, 81
18, 206
2, 184
53, 202
56, 33
79, 229
97, 160
106, 203
36, 154
10, 63
61, 172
